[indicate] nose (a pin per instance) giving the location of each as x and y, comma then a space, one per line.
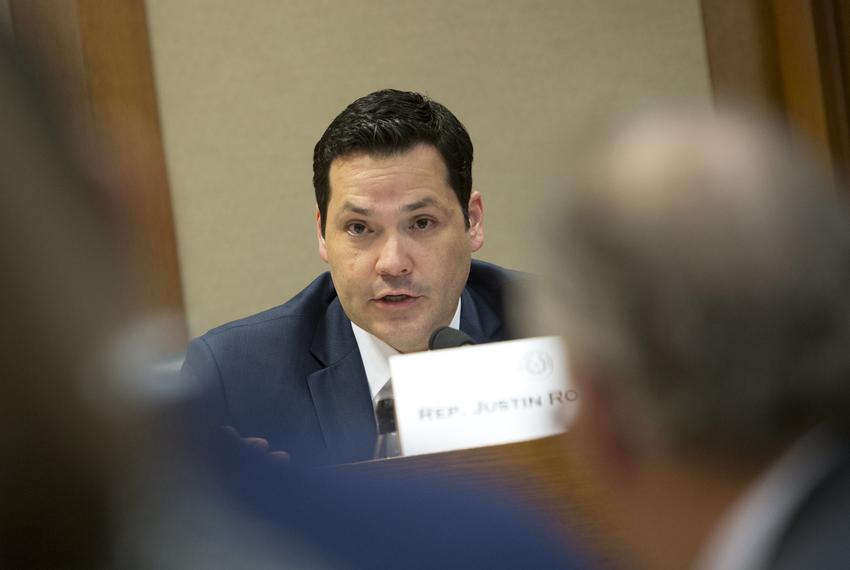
393, 258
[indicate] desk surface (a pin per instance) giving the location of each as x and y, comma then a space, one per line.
545, 475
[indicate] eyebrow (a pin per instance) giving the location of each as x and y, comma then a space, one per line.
412, 207
419, 204
349, 207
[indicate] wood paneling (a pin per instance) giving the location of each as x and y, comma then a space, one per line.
124, 107
802, 80
831, 19
97, 58
741, 48
791, 55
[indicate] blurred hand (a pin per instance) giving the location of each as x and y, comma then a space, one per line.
257, 444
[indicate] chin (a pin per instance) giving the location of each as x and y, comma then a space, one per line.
411, 348
408, 343
401, 337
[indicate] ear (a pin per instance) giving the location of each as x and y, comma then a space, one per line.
600, 431
323, 248
476, 221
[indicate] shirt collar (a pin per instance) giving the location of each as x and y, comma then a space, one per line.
376, 354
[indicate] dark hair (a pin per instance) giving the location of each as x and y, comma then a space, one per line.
388, 122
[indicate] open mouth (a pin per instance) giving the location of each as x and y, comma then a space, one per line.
399, 301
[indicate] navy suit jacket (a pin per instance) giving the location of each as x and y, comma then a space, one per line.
293, 374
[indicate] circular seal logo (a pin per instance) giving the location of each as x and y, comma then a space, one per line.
537, 364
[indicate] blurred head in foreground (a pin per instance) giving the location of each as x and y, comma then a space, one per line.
702, 279
60, 297
85, 481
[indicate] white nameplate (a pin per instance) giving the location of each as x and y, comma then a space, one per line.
474, 396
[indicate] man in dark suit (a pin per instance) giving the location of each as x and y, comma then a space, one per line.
397, 222
702, 270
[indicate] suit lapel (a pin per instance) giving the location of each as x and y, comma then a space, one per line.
340, 392
478, 320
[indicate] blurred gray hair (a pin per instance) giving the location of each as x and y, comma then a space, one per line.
704, 264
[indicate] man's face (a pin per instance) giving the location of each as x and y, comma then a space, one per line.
397, 245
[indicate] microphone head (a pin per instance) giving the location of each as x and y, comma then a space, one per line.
447, 337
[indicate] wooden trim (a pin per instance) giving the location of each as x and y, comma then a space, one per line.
802, 80
741, 51
791, 55
831, 19
788, 54
98, 60
124, 107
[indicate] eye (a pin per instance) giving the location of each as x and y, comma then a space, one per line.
423, 224
356, 228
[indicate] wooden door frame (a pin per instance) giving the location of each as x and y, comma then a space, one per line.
96, 57
791, 55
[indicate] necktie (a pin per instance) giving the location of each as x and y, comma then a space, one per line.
387, 444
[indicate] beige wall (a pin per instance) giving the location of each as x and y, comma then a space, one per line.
246, 88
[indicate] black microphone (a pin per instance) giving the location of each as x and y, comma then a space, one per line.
447, 337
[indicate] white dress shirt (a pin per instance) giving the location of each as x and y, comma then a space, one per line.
376, 355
